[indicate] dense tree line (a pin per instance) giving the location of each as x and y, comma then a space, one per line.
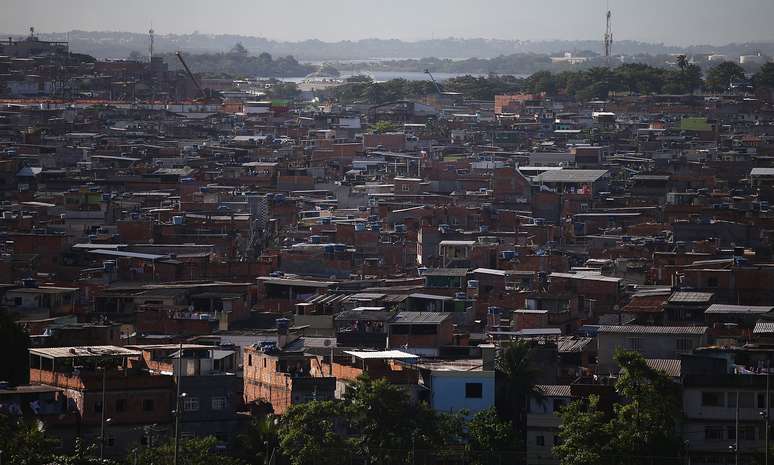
586, 84
239, 63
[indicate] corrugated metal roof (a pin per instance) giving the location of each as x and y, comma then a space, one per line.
691, 297
764, 327
568, 344
382, 354
671, 367
84, 351
446, 272
420, 318
574, 176
738, 309
639, 329
119, 253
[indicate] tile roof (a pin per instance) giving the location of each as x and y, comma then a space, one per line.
554, 390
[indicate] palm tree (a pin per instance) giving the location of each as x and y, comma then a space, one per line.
682, 62
515, 376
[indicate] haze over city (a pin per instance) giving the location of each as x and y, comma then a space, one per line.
681, 22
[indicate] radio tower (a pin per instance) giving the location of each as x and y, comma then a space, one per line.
150, 48
608, 37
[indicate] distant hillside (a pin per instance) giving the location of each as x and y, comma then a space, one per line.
121, 44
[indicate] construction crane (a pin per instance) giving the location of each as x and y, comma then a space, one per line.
435, 83
608, 36
190, 74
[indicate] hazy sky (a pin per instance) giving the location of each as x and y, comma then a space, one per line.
678, 22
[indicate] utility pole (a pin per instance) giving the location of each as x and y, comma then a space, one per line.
766, 417
177, 404
102, 420
736, 435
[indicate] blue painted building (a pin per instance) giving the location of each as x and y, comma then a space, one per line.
452, 386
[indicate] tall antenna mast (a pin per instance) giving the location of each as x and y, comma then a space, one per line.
150, 48
608, 37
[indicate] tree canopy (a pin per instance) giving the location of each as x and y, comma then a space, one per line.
642, 425
723, 75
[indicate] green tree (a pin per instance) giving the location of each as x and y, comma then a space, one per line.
586, 434
646, 422
238, 49
285, 90
642, 427
764, 78
310, 434
682, 62
515, 375
721, 76
134, 55
14, 344
381, 127
384, 420
82, 455
492, 439
260, 438
196, 451
24, 443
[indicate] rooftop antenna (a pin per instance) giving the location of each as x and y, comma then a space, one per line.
608, 36
150, 48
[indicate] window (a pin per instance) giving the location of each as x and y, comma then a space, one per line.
191, 404
731, 400
404, 187
713, 433
540, 440
249, 359
474, 390
557, 440
731, 433
761, 400
712, 282
121, 405
148, 405
218, 403
634, 343
264, 362
712, 399
98, 406
17, 301
684, 345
